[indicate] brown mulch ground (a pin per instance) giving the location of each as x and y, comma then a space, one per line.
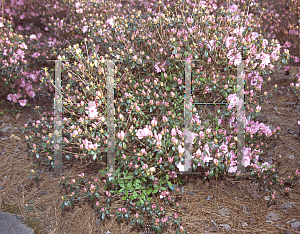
223, 206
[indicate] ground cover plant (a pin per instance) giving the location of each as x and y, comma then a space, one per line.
157, 146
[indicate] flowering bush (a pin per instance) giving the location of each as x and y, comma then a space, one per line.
149, 137
19, 52
13, 52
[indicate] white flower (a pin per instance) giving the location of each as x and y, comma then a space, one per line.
152, 169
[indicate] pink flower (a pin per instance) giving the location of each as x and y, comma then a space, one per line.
145, 166
77, 4
190, 20
121, 135
10, 97
171, 159
180, 149
158, 137
32, 36
19, 28
180, 166
21, 53
233, 8
232, 169
190, 136
110, 22
93, 112
273, 195
237, 58
23, 102
155, 181
79, 11
174, 140
141, 133
165, 119
85, 28
257, 109
35, 55
175, 215
287, 189
22, 16
160, 160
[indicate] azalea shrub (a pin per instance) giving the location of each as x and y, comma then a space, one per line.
280, 21
40, 42
11, 55
149, 101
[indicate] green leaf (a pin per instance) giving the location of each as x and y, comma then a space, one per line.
211, 173
124, 198
134, 195
132, 222
36, 177
177, 222
149, 191
108, 201
126, 216
155, 190
97, 195
124, 145
205, 54
62, 206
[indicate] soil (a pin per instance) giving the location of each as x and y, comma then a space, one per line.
224, 206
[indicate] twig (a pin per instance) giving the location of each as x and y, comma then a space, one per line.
5, 172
